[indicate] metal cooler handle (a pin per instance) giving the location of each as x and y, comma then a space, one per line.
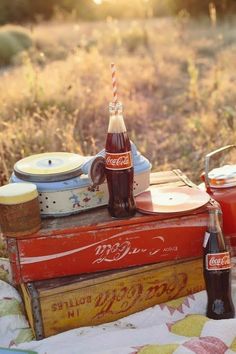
207, 161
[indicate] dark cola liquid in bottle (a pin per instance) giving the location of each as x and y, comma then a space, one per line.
217, 271
119, 165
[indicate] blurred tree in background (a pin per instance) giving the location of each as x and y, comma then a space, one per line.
18, 11
25, 10
197, 8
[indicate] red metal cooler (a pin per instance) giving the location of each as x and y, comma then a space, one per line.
220, 183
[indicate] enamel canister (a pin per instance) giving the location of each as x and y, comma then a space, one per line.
64, 180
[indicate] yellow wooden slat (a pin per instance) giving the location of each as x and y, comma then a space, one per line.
28, 305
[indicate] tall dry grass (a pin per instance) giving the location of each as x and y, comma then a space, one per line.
176, 80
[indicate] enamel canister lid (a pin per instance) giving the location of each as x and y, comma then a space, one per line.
223, 177
49, 167
17, 193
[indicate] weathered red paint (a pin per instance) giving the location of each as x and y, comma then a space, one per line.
92, 241
116, 245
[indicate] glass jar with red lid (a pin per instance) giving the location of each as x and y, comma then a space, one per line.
220, 183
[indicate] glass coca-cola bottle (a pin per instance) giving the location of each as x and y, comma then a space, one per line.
119, 165
217, 270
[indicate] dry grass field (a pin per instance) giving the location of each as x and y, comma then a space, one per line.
177, 81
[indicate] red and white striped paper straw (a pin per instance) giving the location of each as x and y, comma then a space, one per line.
114, 83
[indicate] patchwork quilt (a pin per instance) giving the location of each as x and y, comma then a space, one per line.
177, 327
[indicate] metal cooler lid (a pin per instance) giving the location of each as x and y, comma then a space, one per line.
49, 167
222, 177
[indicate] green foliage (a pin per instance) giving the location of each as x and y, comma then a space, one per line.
12, 41
17, 11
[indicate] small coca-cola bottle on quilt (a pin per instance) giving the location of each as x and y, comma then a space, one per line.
217, 270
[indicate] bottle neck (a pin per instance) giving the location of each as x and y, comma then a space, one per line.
213, 223
214, 227
115, 108
116, 121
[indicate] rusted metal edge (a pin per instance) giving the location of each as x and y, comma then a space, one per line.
36, 311
14, 259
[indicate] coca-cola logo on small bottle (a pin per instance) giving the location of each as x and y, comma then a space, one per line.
218, 261
118, 161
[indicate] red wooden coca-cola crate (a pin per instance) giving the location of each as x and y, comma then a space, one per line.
92, 241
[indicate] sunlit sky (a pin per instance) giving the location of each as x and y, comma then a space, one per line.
98, 2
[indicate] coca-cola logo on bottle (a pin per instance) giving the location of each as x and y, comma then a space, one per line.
218, 261
118, 161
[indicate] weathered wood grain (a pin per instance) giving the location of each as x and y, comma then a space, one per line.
73, 302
